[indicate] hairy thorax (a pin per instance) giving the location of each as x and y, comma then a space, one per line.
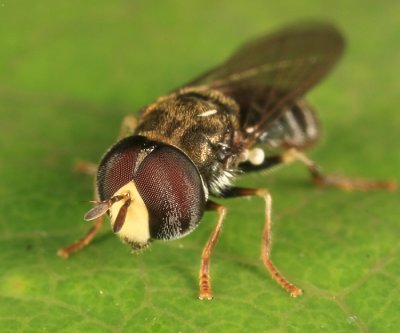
204, 124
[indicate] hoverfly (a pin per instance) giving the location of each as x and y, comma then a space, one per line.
156, 181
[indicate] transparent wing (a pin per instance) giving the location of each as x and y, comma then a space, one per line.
273, 72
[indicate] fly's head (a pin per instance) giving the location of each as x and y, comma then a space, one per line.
150, 190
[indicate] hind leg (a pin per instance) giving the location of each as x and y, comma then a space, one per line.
329, 180
318, 177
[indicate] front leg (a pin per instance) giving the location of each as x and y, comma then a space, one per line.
128, 126
66, 251
204, 275
91, 170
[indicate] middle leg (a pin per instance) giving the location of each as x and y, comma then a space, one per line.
266, 239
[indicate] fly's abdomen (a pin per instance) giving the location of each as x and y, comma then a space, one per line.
297, 127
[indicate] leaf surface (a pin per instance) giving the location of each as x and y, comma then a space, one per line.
70, 71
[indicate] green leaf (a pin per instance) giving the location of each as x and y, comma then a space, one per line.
69, 72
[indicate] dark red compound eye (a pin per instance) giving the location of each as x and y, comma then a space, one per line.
168, 182
118, 164
171, 187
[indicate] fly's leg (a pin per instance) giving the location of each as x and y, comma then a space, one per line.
343, 183
65, 252
128, 126
319, 178
85, 167
204, 276
266, 239
89, 169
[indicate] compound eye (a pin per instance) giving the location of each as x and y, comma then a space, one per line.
171, 187
117, 166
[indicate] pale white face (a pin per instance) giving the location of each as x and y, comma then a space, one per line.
135, 230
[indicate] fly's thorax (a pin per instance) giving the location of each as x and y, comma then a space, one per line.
204, 124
